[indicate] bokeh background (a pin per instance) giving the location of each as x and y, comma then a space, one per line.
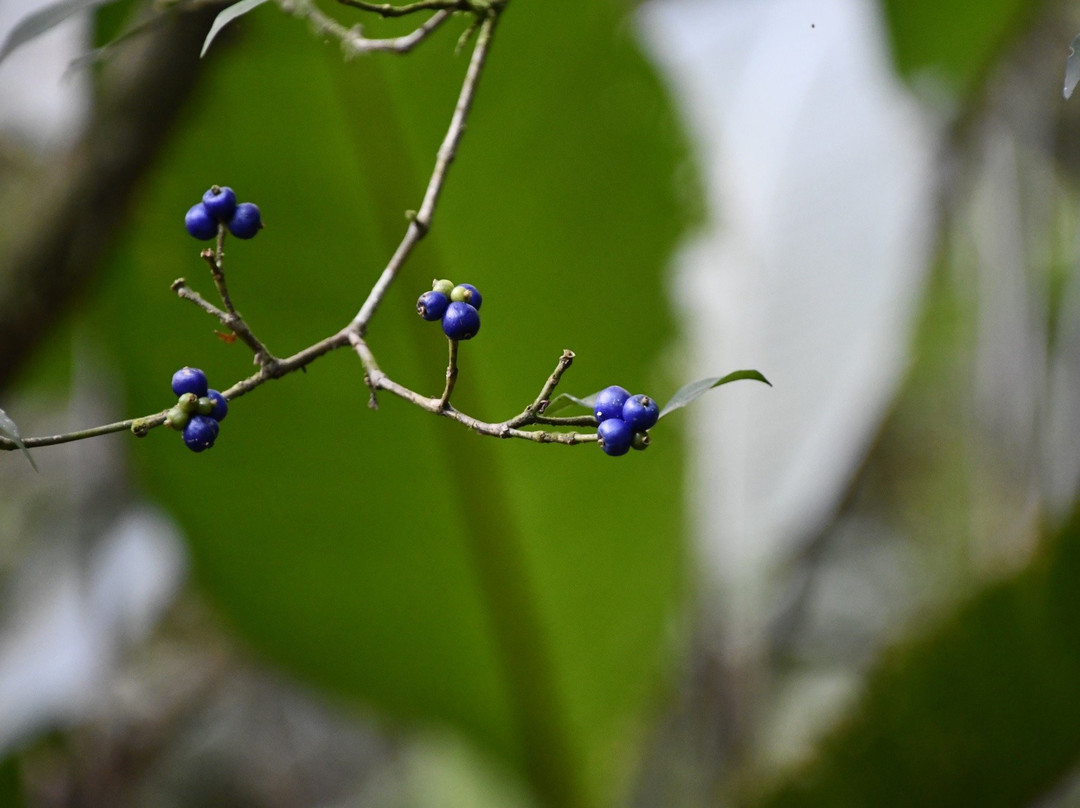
857, 587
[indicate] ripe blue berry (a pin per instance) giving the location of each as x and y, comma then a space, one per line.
220, 202
200, 223
221, 406
190, 380
609, 402
247, 221
432, 305
460, 321
200, 433
641, 412
467, 293
615, 436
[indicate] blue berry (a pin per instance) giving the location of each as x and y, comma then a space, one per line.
609, 402
467, 293
221, 406
641, 412
247, 221
200, 432
200, 223
432, 305
460, 321
190, 380
220, 202
615, 436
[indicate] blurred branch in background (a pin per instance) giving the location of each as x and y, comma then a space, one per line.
62, 219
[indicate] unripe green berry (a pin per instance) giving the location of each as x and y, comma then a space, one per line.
189, 402
640, 441
444, 286
461, 294
205, 405
176, 419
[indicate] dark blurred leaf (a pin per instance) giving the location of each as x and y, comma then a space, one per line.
953, 40
1072, 67
982, 710
565, 400
694, 390
10, 430
36, 24
10, 783
391, 555
225, 17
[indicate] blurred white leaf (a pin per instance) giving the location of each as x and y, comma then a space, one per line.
818, 168
1072, 67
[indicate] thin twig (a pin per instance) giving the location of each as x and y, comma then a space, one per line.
531, 413
216, 259
354, 42
230, 319
511, 428
140, 426
388, 10
451, 373
421, 222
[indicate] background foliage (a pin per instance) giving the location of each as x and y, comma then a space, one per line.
532, 600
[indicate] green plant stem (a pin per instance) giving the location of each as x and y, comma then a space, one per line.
451, 374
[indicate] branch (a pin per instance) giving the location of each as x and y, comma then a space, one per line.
230, 319
387, 10
354, 42
271, 367
421, 222
510, 428
139, 426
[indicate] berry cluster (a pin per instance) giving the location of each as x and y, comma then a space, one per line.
199, 410
219, 207
624, 420
457, 306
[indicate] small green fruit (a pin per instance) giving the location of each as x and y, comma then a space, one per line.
205, 405
176, 419
189, 403
640, 441
444, 286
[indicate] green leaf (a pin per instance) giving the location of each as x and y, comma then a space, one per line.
225, 17
392, 556
42, 20
955, 41
1072, 67
10, 430
695, 390
565, 400
980, 710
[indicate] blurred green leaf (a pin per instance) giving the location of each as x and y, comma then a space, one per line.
225, 17
982, 710
953, 40
10, 783
691, 392
518, 592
